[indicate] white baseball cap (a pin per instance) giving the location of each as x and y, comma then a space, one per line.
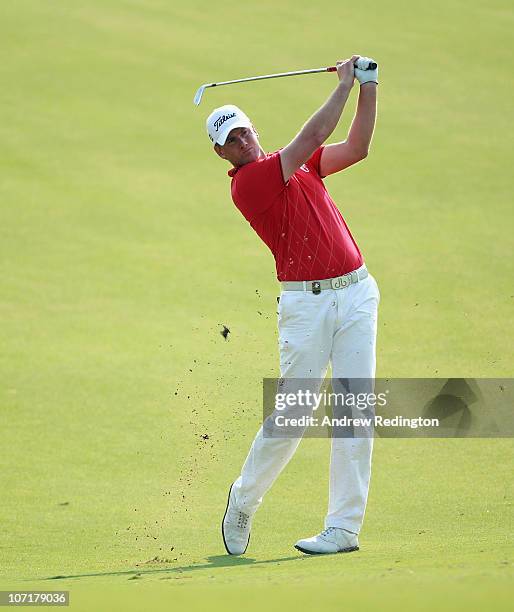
222, 120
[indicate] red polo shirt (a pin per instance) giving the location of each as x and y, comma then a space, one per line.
298, 220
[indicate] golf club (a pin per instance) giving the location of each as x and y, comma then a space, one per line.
198, 96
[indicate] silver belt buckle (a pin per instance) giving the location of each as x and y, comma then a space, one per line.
341, 282
316, 287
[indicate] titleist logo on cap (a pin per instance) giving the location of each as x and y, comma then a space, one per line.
221, 120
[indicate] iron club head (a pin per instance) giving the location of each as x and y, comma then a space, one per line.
199, 94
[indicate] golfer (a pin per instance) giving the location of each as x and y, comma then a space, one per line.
328, 304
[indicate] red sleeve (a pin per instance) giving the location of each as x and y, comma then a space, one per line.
256, 185
314, 161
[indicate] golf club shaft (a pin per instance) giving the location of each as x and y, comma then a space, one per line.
273, 76
198, 96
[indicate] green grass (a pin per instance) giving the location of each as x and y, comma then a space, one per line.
121, 253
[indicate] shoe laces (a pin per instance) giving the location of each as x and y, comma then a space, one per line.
242, 520
328, 531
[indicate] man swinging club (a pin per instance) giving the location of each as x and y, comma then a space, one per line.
328, 303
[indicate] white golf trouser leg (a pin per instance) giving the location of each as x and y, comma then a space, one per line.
353, 357
306, 327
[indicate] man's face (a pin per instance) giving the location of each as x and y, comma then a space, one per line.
241, 147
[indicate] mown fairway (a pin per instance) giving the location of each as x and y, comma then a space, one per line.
121, 255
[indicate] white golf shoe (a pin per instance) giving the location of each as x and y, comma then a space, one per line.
235, 528
331, 540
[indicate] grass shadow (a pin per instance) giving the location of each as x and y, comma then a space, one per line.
214, 561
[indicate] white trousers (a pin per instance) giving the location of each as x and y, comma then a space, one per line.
336, 326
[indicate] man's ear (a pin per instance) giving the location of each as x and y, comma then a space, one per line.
219, 151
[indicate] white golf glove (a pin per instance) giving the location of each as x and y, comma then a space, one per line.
363, 75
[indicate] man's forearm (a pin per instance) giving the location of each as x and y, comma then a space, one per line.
324, 121
363, 124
